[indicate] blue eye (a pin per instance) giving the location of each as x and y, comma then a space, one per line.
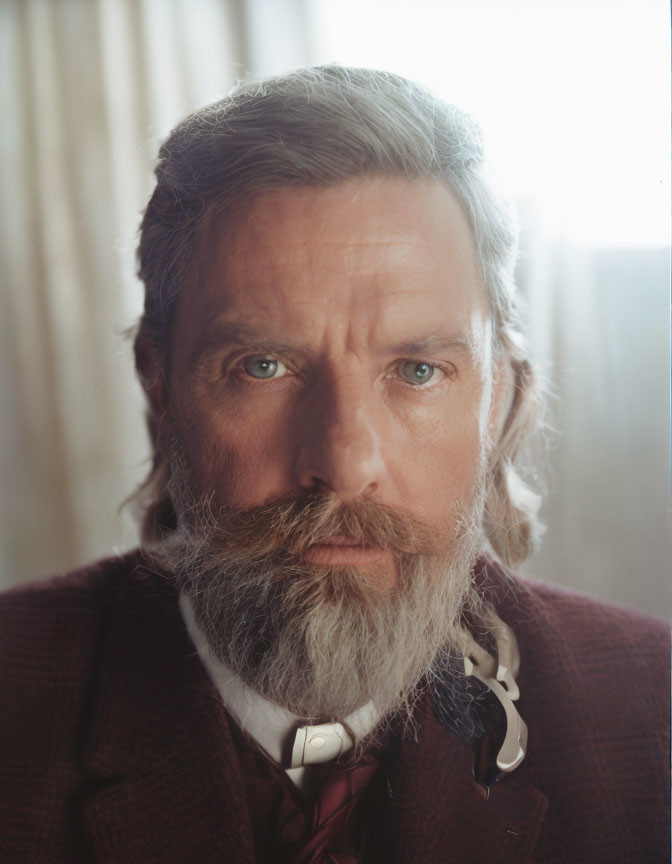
259, 366
417, 373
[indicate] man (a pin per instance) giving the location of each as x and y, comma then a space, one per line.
320, 654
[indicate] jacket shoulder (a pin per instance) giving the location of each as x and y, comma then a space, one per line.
577, 649
83, 587
50, 632
580, 625
50, 637
50, 629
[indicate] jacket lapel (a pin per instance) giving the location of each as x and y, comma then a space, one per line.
439, 813
168, 786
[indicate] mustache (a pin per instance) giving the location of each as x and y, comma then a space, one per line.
287, 527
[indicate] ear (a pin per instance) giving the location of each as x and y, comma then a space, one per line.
151, 374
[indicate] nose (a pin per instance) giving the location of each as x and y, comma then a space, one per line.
339, 446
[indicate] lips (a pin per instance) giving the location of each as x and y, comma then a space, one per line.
338, 540
341, 550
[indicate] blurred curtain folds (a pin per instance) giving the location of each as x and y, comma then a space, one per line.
90, 87
598, 325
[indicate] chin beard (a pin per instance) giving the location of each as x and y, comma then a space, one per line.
320, 640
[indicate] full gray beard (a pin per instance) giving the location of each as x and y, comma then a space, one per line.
322, 641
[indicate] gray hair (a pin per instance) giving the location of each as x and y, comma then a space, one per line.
318, 127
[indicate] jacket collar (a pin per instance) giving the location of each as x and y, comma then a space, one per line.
167, 783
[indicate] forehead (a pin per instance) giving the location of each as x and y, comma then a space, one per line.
374, 258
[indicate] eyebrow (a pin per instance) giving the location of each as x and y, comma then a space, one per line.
225, 333
231, 333
435, 342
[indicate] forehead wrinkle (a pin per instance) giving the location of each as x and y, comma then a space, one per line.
305, 260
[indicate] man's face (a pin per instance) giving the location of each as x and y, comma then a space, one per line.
326, 429
337, 339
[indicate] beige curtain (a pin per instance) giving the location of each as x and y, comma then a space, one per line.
88, 88
598, 321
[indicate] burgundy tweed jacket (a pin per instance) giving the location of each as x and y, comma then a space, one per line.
114, 746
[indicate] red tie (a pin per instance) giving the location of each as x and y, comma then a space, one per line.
342, 788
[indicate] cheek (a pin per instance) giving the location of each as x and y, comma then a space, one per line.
242, 461
437, 463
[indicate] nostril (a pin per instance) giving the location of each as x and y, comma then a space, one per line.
318, 485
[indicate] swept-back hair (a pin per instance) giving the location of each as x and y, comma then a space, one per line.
318, 127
